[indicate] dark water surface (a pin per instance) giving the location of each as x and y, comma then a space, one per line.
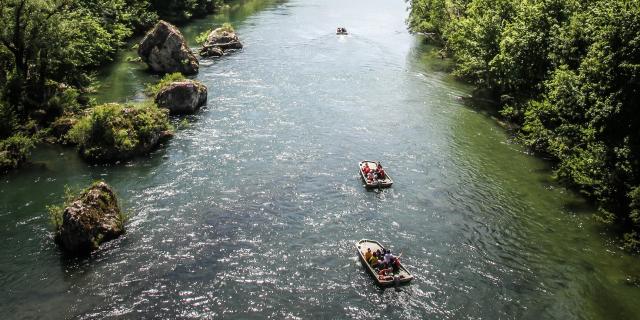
252, 211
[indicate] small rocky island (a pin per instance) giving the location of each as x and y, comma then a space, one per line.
220, 41
165, 50
111, 132
87, 220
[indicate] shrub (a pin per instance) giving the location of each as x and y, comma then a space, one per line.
14, 151
112, 131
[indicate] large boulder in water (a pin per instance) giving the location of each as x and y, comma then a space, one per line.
92, 218
186, 96
165, 50
219, 41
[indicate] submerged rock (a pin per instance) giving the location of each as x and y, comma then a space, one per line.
165, 50
186, 96
219, 41
91, 219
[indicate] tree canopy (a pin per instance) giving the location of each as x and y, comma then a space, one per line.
567, 72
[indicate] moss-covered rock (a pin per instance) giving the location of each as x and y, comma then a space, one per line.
113, 132
88, 220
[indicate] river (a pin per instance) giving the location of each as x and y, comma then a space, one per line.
252, 210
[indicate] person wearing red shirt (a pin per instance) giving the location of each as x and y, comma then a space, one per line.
366, 169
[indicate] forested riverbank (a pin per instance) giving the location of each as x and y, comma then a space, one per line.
567, 74
49, 53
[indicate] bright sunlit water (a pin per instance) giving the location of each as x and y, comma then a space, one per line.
252, 211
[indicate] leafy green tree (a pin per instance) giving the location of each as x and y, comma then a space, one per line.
568, 72
475, 39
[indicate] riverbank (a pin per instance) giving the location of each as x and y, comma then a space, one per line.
571, 93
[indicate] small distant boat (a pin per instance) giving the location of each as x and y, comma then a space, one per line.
403, 276
342, 31
375, 183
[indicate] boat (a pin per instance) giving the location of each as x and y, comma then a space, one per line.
342, 31
402, 277
376, 183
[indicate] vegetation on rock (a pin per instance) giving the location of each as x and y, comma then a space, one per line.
202, 37
566, 71
153, 89
14, 151
113, 131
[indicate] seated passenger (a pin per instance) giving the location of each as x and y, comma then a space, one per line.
388, 256
384, 274
380, 172
366, 169
373, 261
395, 265
370, 177
368, 254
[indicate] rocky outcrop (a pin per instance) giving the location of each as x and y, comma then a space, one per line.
165, 50
182, 97
94, 217
219, 42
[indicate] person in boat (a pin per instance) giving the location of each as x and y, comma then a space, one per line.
388, 256
395, 265
368, 254
366, 169
384, 274
380, 172
339, 30
370, 176
373, 261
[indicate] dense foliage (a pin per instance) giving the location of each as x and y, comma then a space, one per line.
14, 151
568, 72
49, 50
117, 132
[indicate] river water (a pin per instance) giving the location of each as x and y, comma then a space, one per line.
252, 210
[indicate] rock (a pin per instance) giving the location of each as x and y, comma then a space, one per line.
165, 50
94, 217
219, 41
211, 52
180, 97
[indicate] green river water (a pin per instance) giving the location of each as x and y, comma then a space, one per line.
252, 211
